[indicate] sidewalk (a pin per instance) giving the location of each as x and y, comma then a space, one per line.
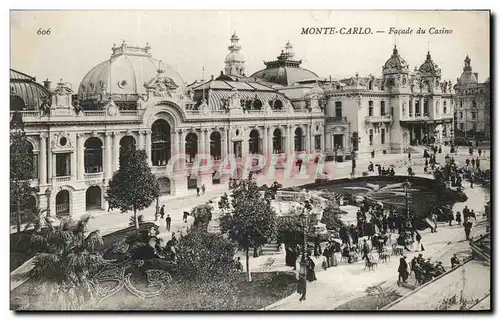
346, 282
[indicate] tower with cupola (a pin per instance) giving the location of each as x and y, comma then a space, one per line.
235, 61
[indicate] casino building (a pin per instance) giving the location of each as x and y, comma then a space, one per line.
134, 99
388, 113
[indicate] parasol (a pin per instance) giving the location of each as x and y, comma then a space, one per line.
337, 240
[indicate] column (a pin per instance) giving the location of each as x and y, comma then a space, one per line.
265, 148
307, 140
141, 140
108, 155
182, 145
80, 149
73, 165
244, 145
422, 106
147, 133
116, 150
412, 106
270, 139
54, 165
42, 162
230, 145
224, 144
207, 140
49, 165
322, 139
288, 150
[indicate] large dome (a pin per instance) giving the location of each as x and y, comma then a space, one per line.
125, 73
395, 63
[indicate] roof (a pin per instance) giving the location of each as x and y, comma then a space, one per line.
16, 75
217, 91
126, 72
285, 75
23, 86
429, 66
395, 63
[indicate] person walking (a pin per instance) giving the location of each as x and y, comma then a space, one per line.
467, 229
458, 218
203, 189
168, 221
402, 270
198, 191
366, 251
162, 212
479, 151
420, 246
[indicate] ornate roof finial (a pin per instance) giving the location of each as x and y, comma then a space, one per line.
160, 70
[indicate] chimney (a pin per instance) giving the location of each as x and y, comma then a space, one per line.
46, 84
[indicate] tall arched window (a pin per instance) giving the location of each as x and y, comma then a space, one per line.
215, 145
277, 141
191, 146
298, 140
93, 155
160, 140
253, 142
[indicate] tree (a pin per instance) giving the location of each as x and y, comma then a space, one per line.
203, 256
65, 265
331, 216
21, 166
133, 186
202, 215
251, 222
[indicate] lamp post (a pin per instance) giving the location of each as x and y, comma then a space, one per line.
47, 194
407, 190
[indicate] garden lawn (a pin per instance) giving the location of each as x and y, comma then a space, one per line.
229, 294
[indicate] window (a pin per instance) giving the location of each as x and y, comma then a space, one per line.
338, 109
63, 165
382, 108
338, 141
317, 142
426, 108
392, 111
462, 126
474, 106
444, 107
437, 107
371, 137
473, 115
382, 136
370, 108
461, 115
417, 108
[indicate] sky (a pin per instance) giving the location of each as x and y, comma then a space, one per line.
191, 40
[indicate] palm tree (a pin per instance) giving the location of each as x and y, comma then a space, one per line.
66, 263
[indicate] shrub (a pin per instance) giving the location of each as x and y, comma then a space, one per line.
204, 255
202, 215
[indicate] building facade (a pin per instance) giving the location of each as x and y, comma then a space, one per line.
388, 114
472, 101
135, 100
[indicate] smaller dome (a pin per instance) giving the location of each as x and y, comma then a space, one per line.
395, 63
234, 56
468, 78
429, 67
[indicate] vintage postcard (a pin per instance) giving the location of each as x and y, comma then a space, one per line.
250, 160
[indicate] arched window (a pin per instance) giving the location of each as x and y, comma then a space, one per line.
62, 203
93, 155
191, 146
277, 141
127, 143
276, 104
298, 140
17, 103
93, 198
257, 105
254, 142
215, 145
160, 140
